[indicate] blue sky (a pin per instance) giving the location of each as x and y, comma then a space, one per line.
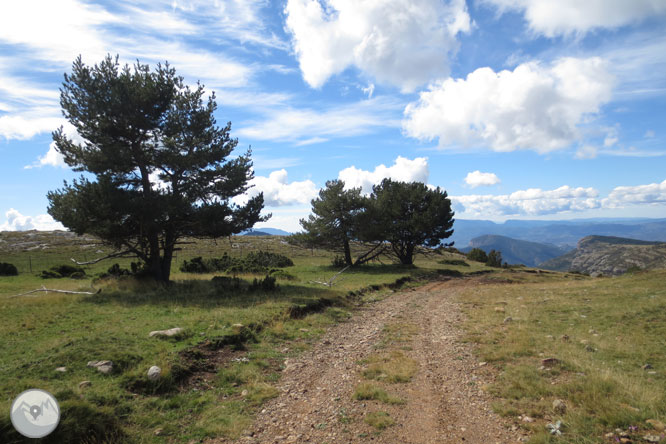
520, 109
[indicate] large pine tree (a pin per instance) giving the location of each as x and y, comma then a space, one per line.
156, 163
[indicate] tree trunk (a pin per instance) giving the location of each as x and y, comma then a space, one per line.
348, 257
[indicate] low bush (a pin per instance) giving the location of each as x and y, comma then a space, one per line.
61, 271
478, 255
459, 262
266, 284
254, 262
7, 269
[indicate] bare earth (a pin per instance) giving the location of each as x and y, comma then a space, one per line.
445, 402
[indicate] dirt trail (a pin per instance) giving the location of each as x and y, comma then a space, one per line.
443, 400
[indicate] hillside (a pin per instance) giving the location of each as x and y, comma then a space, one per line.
564, 233
516, 251
610, 256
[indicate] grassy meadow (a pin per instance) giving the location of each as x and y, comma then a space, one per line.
599, 345
215, 375
607, 338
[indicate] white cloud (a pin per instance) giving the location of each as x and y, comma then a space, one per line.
18, 222
278, 191
27, 125
587, 152
403, 170
532, 202
477, 179
533, 107
649, 134
396, 42
651, 194
285, 218
58, 30
306, 126
51, 158
565, 17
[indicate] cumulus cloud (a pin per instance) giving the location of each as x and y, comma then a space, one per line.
15, 221
400, 43
531, 202
477, 179
565, 17
651, 194
535, 106
51, 158
403, 170
278, 191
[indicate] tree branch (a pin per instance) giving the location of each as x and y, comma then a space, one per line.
56, 291
329, 283
94, 261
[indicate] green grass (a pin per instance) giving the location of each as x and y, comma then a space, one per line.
367, 391
379, 420
44, 331
601, 331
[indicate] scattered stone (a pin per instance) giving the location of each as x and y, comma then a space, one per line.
656, 424
550, 362
564, 338
481, 364
166, 333
550, 337
158, 431
104, 367
559, 406
609, 435
652, 438
244, 393
500, 309
303, 330
592, 331
237, 325
84, 384
527, 419
154, 373
589, 348
61, 369
508, 319
647, 367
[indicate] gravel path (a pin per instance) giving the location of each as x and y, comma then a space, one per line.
443, 400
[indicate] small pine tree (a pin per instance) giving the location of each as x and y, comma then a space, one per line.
478, 255
494, 259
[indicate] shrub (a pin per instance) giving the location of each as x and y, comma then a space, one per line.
478, 255
338, 262
7, 269
268, 259
281, 274
61, 271
494, 259
458, 262
115, 270
254, 262
266, 284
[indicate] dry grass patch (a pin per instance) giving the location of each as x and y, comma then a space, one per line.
379, 420
367, 391
392, 367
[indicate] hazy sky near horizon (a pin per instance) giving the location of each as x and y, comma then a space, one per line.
519, 109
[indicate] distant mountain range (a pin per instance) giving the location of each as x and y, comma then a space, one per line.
560, 233
516, 251
610, 256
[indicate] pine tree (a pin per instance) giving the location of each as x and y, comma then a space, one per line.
155, 162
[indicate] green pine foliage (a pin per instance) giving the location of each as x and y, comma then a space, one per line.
156, 164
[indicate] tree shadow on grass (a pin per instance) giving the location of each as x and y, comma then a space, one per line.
210, 294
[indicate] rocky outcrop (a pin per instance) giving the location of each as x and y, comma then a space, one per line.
607, 255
